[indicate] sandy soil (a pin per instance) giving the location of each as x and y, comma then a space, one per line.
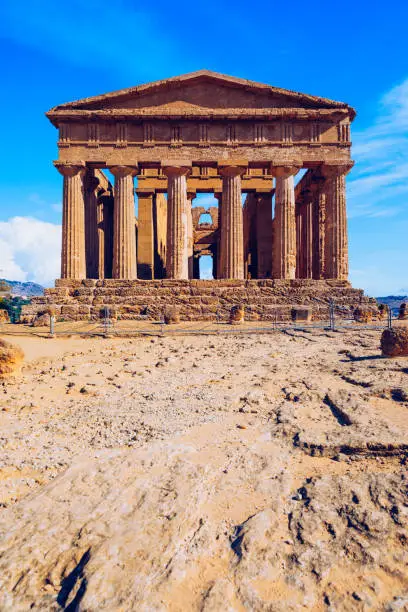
230, 472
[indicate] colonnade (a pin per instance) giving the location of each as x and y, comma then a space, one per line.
309, 235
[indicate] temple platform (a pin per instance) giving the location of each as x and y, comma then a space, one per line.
196, 300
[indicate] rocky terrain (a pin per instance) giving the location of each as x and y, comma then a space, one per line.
27, 289
229, 472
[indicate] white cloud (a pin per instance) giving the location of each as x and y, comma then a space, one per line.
30, 250
381, 153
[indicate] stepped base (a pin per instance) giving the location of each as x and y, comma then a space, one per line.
266, 300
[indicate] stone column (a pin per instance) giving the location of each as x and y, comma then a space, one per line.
218, 196
105, 230
124, 238
284, 257
101, 238
232, 231
190, 234
73, 263
177, 255
196, 268
319, 219
307, 236
145, 243
264, 235
299, 241
336, 247
91, 225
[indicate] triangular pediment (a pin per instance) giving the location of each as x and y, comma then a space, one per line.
198, 92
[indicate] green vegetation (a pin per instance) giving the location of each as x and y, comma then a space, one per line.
13, 305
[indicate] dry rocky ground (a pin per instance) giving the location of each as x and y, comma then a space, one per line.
230, 472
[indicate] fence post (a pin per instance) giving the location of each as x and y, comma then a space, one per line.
389, 317
52, 326
106, 320
331, 311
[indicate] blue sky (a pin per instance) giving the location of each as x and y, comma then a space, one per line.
350, 51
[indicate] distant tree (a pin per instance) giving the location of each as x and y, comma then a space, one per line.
13, 305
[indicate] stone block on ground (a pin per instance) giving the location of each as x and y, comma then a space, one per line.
301, 314
237, 314
10, 358
171, 315
394, 342
403, 311
363, 315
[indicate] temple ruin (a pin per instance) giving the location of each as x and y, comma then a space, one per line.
274, 240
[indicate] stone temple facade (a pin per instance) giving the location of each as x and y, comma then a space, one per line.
275, 241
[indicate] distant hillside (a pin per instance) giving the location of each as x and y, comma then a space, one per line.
29, 289
393, 301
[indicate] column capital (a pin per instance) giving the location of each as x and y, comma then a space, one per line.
69, 168
191, 195
144, 191
287, 169
232, 169
176, 170
121, 171
332, 170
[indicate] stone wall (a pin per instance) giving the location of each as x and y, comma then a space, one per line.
196, 299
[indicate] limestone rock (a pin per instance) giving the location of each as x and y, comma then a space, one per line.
394, 342
171, 315
237, 314
363, 315
10, 358
4, 316
301, 314
403, 311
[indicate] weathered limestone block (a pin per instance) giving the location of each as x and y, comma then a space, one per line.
394, 342
363, 315
205, 300
58, 292
403, 311
171, 315
302, 314
237, 314
10, 358
69, 311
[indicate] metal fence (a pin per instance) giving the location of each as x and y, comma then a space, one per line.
338, 318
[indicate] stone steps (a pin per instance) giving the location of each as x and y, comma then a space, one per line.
267, 300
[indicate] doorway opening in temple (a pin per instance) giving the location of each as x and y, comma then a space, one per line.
206, 267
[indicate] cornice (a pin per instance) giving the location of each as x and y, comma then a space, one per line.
231, 114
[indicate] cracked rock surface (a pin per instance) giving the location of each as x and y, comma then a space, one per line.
246, 472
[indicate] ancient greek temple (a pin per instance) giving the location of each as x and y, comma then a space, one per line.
275, 161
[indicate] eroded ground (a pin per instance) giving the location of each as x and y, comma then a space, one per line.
239, 472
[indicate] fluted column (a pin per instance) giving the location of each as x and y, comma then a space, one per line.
284, 257
336, 247
299, 241
218, 196
307, 236
190, 235
145, 242
73, 263
264, 239
124, 237
319, 219
91, 225
177, 255
232, 229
